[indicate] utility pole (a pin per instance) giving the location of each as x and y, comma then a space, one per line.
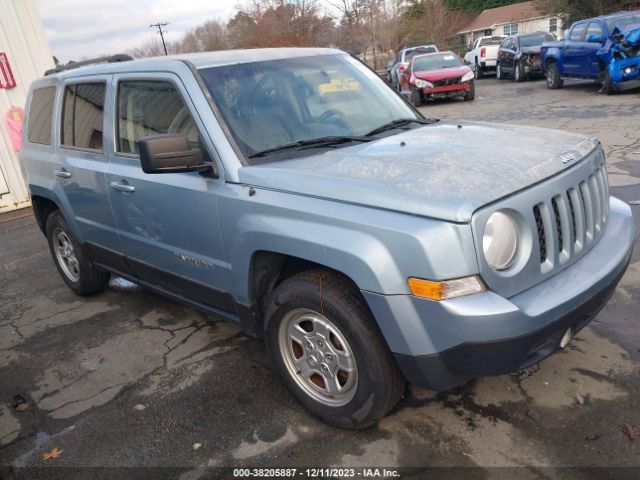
161, 32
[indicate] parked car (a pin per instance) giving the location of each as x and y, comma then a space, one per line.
367, 245
606, 49
437, 75
483, 54
519, 56
402, 60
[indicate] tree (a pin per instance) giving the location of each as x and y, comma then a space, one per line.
573, 10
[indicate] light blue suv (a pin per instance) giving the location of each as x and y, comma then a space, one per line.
294, 193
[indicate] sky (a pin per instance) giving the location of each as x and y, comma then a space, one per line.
90, 28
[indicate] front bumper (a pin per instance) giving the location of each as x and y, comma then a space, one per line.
440, 345
625, 73
456, 89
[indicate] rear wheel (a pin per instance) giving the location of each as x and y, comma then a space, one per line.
71, 259
324, 343
479, 71
554, 80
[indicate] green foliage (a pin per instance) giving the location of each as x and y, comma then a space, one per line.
478, 5
574, 10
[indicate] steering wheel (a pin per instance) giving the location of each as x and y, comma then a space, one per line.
332, 112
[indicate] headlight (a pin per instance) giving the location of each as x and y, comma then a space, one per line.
500, 240
467, 76
423, 84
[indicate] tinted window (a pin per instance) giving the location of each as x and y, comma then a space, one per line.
490, 41
151, 108
418, 51
533, 40
82, 115
40, 115
577, 34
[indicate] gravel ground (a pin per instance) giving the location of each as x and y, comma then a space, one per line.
129, 379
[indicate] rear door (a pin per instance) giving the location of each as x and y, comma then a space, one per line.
81, 161
169, 223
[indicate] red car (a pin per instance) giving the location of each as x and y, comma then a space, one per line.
437, 75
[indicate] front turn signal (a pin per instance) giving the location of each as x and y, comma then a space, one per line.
448, 289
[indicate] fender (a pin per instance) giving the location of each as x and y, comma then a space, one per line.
55, 193
377, 249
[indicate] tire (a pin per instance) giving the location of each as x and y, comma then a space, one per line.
71, 258
499, 74
471, 93
479, 71
608, 87
416, 97
518, 72
308, 305
553, 78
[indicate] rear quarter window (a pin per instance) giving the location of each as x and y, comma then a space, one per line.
41, 116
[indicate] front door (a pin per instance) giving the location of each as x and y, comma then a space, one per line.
169, 223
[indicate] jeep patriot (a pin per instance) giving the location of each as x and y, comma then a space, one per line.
293, 192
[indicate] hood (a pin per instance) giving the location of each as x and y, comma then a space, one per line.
442, 73
438, 171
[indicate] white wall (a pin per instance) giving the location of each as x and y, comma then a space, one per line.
22, 39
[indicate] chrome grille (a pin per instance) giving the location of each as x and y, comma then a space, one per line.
570, 221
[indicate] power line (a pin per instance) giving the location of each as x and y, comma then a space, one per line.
161, 32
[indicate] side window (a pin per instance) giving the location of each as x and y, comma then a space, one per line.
577, 33
151, 107
82, 115
41, 115
594, 29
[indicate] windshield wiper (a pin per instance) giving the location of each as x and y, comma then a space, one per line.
399, 123
311, 143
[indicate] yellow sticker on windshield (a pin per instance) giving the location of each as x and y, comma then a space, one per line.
339, 85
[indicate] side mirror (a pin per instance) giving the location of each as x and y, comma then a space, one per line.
170, 153
594, 38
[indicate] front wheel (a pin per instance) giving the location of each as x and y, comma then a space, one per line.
554, 80
71, 259
479, 71
417, 98
324, 343
499, 74
518, 72
608, 87
471, 93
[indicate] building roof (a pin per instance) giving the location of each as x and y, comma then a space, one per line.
507, 14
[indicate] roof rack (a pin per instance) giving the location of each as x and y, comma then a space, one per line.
121, 57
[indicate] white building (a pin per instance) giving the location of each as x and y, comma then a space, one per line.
24, 56
522, 17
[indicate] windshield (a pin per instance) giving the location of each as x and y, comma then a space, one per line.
432, 62
622, 21
490, 41
534, 40
278, 102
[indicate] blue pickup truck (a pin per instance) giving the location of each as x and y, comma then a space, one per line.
606, 49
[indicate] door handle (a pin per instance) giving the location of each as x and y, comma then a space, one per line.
123, 187
62, 173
